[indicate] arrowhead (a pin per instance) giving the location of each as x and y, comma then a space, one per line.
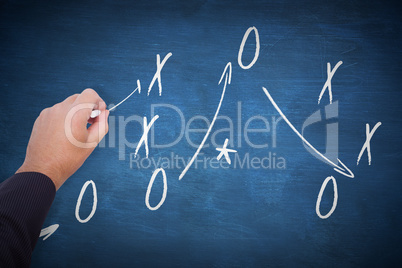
349, 172
225, 71
342, 169
48, 231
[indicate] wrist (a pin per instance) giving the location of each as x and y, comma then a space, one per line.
53, 176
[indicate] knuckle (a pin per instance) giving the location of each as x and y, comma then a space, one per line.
44, 112
56, 106
89, 91
72, 97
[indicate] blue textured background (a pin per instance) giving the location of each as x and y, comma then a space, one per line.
214, 217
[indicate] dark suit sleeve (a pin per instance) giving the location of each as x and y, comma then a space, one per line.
25, 200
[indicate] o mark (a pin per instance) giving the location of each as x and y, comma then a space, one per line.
323, 186
151, 182
257, 48
95, 202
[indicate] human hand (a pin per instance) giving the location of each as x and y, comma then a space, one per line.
60, 141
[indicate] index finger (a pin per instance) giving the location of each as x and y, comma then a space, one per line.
91, 99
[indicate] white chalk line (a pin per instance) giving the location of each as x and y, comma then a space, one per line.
94, 204
334, 203
226, 74
139, 91
336, 167
330, 74
48, 231
224, 151
366, 145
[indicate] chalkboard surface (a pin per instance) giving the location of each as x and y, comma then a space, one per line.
329, 71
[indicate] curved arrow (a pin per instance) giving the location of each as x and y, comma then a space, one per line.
342, 169
228, 78
95, 113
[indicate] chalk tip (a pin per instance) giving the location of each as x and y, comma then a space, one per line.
95, 113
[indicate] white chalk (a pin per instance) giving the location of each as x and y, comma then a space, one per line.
95, 113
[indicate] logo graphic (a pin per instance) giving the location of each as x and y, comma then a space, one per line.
331, 148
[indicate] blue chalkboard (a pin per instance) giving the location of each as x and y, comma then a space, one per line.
259, 210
